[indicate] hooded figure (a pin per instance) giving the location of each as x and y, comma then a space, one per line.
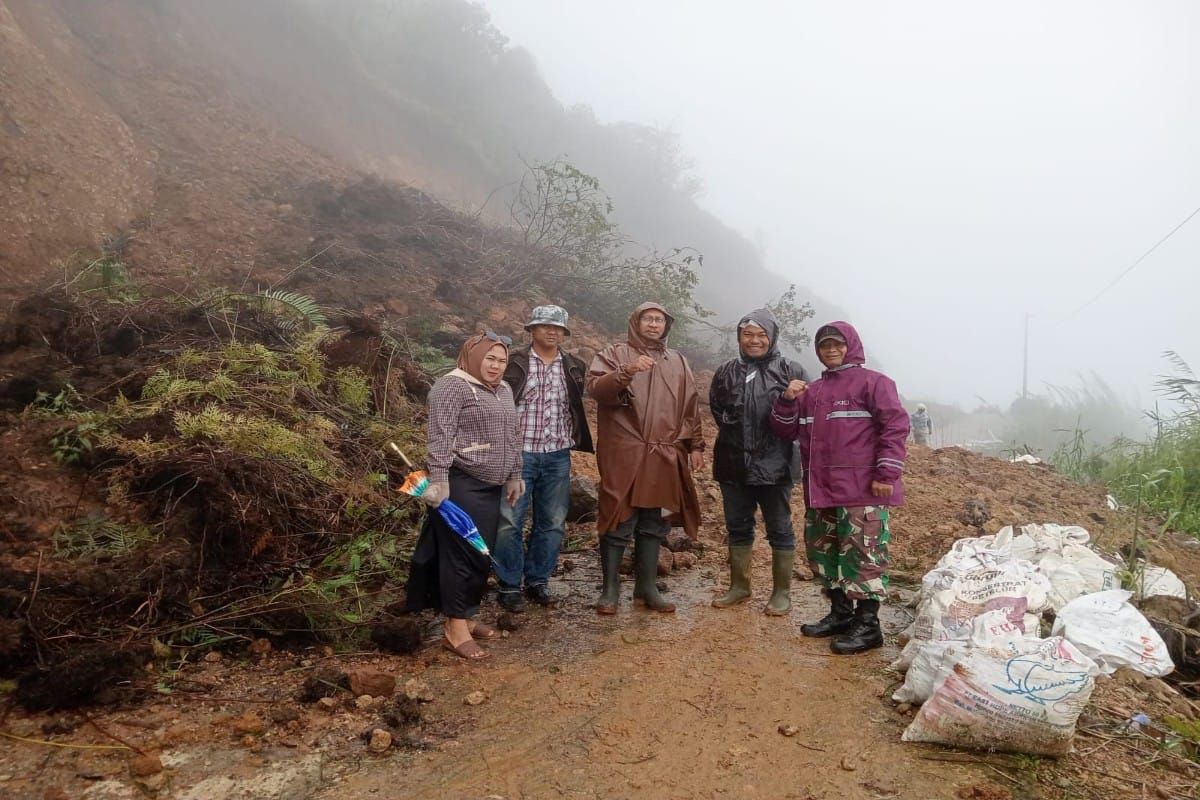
922, 424
851, 429
648, 425
752, 464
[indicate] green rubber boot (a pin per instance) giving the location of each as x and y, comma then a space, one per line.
781, 577
645, 571
610, 566
739, 577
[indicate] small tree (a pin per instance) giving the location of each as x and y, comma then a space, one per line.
575, 251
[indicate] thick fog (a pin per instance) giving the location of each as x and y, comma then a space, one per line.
938, 168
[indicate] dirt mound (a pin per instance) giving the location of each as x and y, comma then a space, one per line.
947, 488
209, 474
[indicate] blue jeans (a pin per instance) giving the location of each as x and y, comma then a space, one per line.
740, 503
548, 489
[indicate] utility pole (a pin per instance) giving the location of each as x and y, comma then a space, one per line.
1025, 368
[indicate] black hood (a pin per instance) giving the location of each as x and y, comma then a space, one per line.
765, 320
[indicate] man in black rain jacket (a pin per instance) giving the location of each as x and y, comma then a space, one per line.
752, 465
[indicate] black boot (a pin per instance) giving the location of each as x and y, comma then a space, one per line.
610, 566
864, 634
645, 571
838, 620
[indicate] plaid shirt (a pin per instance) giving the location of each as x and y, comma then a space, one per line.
545, 408
473, 428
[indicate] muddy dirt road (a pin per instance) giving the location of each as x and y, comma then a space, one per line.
683, 706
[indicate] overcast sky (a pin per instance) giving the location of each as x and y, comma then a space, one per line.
937, 168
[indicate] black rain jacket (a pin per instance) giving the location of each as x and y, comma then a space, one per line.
743, 391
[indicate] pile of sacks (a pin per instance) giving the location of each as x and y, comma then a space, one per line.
974, 656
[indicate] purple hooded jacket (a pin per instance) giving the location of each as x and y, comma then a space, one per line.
851, 429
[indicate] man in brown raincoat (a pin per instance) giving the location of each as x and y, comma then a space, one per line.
648, 442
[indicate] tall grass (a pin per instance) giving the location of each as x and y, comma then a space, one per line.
1172, 455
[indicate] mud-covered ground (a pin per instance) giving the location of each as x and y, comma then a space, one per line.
575, 705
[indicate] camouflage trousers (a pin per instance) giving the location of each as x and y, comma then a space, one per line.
847, 549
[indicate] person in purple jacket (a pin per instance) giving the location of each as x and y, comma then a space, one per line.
851, 429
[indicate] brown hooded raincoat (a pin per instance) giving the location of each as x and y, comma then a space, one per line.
647, 423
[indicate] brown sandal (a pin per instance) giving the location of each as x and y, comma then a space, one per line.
481, 630
469, 649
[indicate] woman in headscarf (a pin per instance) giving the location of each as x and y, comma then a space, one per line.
474, 458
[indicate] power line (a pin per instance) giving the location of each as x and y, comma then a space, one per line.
1133, 266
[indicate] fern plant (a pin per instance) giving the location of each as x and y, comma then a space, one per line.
96, 535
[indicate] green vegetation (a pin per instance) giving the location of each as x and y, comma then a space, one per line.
258, 457
573, 249
1164, 473
1093, 437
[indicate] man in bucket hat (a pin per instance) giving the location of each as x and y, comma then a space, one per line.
547, 384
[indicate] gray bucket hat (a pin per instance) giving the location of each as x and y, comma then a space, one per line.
549, 315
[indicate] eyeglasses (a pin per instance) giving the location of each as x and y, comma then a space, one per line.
495, 337
659, 320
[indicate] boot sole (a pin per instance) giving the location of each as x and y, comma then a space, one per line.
770, 612
606, 611
855, 651
668, 609
719, 604
822, 635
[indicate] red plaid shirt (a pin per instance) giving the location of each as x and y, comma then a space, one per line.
545, 408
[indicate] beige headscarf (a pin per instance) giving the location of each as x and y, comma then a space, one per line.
470, 357
639, 342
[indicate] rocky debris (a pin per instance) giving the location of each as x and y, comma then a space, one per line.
143, 766
281, 715
983, 791
59, 726
974, 513
419, 690
475, 698
507, 621
248, 724
684, 561
401, 636
259, 647
325, 682
328, 704
666, 561
371, 682
678, 541
213, 657
788, 730
381, 740
1177, 621
585, 500
405, 711
88, 677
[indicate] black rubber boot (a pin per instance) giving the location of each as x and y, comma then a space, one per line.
864, 634
645, 572
838, 620
610, 566
739, 577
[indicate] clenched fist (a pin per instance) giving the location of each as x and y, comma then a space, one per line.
794, 389
642, 364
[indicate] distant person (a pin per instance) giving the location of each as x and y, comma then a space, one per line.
648, 442
851, 429
474, 460
547, 384
922, 425
752, 465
